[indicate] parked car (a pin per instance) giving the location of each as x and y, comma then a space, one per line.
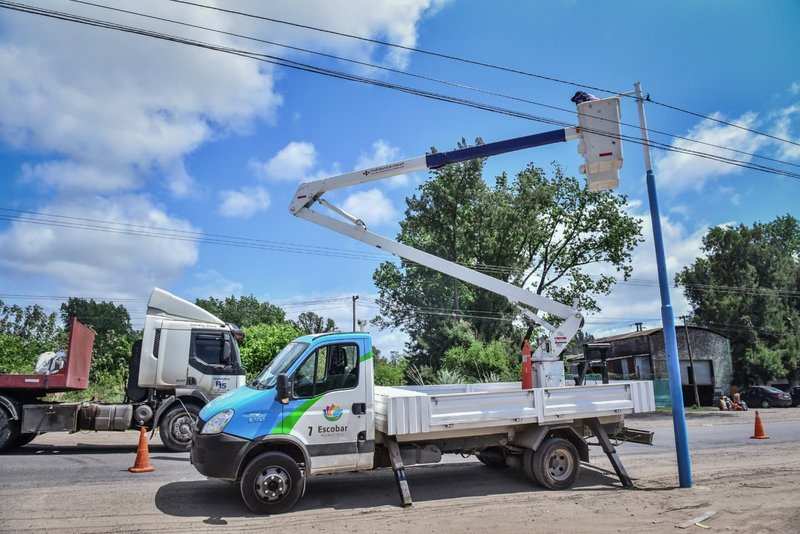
766, 397
795, 393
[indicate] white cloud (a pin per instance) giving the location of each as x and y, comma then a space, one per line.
212, 283
733, 195
382, 153
243, 203
70, 175
292, 163
95, 262
371, 206
795, 88
638, 300
101, 97
105, 99
783, 129
679, 172
109, 114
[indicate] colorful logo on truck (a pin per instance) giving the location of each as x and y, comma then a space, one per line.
332, 412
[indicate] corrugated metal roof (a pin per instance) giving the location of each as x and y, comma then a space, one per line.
648, 332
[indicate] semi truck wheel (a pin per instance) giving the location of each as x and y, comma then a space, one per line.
177, 426
554, 464
9, 431
271, 483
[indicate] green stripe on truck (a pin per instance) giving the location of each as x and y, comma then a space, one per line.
286, 424
365, 357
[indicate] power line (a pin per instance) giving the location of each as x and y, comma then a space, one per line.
138, 230
380, 83
189, 233
451, 57
449, 83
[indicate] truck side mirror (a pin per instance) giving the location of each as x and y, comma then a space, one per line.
282, 387
226, 351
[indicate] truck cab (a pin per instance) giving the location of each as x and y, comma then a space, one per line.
314, 402
186, 357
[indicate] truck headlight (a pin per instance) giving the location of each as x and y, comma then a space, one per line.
216, 424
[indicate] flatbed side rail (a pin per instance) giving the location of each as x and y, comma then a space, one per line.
404, 411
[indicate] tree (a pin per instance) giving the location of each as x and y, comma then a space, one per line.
263, 342
31, 323
243, 311
482, 362
103, 317
534, 230
746, 285
311, 323
24, 334
113, 341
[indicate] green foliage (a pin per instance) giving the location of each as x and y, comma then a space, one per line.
24, 334
390, 373
31, 323
745, 286
262, 342
482, 362
310, 323
532, 230
762, 363
17, 355
103, 317
243, 311
112, 344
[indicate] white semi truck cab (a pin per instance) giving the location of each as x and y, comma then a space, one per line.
186, 357
316, 410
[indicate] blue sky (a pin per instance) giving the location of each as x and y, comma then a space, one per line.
107, 126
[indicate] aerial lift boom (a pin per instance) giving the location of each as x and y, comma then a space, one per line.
598, 132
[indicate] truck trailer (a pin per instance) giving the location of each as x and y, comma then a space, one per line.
185, 358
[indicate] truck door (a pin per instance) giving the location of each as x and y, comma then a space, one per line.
330, 381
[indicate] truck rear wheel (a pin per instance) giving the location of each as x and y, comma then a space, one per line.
554, 464
177, 426
9, 431
271, 483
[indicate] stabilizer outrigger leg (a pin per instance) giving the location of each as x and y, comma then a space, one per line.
399, 471
611, 452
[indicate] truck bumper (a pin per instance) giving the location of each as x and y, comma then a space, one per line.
217, 455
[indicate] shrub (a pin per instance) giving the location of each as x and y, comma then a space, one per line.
390, 373
481, 362
262, 342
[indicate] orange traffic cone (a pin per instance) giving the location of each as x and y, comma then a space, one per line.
142, 463
759, 433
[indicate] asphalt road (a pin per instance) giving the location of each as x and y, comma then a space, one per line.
71, 474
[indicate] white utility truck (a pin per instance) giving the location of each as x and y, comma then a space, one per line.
185, 358
315, 408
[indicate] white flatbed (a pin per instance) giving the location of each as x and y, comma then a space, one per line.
415, 412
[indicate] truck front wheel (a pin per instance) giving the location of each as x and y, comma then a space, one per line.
177, 426
9, 431
271, 483
554, 464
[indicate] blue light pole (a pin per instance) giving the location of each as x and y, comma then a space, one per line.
667, 315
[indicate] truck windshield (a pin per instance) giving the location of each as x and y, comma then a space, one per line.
279, 365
